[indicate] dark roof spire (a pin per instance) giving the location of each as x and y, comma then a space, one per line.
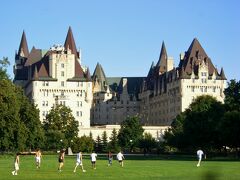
222, 74
88, 76
99, 75
70, 43
162, 62
23, 47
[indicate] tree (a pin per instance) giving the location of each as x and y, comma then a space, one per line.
4, 63
84, 144
61, 120
104, 141
232, 96
201, 123
174, 136
98, 144
29, 115
13, 131
130, 133
147, 143
113, 144
231, 129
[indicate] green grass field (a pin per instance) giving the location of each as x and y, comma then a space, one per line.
144, 168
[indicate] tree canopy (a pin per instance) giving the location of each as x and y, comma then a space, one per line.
130, 132
60, 125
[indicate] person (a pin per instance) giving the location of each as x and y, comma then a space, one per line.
199, 154
16, 164
38, 157
110, 157
61, 159
93, 159
120, 158
79, 162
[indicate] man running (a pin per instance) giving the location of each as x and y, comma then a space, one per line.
79, 162
16, 164
93, 159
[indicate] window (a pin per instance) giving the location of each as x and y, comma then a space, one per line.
205, 89
204, 80
214, 89
204, 74
45, 83
193, 89
45, 93
62, 65
62, 83
79, 103
62, 73
62, 93
193, 80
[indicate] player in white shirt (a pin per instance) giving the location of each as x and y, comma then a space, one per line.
38, 157
120, 158
79, 162
93, 159
200, 155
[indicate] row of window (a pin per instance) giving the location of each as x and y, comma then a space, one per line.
45, 103
202, 89
78, 93
78, 84
78, 113
203, 80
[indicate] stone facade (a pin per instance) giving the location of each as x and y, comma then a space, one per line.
100, 103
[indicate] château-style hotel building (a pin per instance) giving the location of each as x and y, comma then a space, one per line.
100, 103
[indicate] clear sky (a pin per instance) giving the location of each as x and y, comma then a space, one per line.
125, 36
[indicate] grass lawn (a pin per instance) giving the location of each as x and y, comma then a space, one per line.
144, 168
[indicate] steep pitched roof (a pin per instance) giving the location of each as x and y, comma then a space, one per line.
34, 56
222, 74
100, 77
70, 43
161, 65
23, 46
42, 71
78, 70
193, 57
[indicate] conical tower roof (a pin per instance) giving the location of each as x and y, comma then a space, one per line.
88, 76
100, 77
23, 47
161, 65
222, 74
70, 43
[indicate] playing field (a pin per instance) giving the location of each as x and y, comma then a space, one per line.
145, 168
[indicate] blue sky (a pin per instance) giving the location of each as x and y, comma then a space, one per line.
125, 36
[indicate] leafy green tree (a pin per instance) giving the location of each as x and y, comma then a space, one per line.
147, 143
174, 136
4, 63
61, 120
113, 144
84, 144
201, 125
13, 131
231, 129
104, 142
232, 96
130, 133
29, 115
